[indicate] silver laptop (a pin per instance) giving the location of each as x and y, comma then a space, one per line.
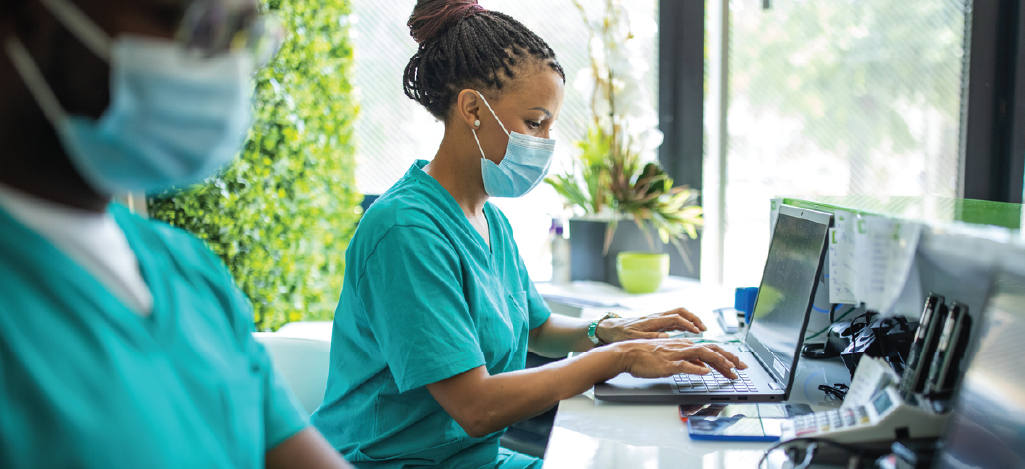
773, 342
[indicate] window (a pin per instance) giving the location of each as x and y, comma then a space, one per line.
836, 98
392, 131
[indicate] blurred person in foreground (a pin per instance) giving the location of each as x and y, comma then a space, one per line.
125, 343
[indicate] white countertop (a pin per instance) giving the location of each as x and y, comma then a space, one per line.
596, 298
598, 434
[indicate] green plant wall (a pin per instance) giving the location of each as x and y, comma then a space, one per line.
282, 215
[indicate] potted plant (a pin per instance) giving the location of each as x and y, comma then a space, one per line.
615, 178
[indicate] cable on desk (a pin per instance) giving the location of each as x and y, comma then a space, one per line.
823, 331
837, 391
809, 455
855, 451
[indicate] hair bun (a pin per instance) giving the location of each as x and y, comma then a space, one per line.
431, 17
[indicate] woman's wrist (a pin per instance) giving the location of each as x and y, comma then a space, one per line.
615, 360
608, 331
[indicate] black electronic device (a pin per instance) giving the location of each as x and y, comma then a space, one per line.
771, 347
924, 346
949, 351
985, 427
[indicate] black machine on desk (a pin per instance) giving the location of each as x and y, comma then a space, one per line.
913, 406
985, 426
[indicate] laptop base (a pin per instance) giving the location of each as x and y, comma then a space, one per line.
626, 388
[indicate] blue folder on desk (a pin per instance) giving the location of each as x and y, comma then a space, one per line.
774, 338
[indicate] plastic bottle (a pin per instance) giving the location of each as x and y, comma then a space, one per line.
560, 254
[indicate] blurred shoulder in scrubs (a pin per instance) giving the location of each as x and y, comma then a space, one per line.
437, 312
125, 343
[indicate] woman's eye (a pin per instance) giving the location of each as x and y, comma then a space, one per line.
533, 125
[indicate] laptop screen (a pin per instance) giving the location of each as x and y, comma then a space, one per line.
987, 426
788, 288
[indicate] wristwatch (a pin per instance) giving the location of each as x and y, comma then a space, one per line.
592, 330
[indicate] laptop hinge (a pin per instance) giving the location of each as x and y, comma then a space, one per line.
765, 366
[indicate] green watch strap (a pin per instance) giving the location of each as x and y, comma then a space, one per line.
592, 330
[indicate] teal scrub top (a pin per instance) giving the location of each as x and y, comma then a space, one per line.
424, 299
87, 383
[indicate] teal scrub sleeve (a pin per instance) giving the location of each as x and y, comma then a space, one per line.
411, 293
537, 309
282, 415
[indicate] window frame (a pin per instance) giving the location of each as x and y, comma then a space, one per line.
993, 112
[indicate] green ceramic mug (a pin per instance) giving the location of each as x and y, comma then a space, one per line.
641, 272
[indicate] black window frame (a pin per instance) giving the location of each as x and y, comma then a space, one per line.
993, 111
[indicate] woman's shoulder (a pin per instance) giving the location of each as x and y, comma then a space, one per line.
406, 206
400, 219
410, 203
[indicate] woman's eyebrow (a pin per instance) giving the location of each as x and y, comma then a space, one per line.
547, 112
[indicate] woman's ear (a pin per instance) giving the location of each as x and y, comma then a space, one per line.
468, 108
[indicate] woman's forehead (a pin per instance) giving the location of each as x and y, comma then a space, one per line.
543, 90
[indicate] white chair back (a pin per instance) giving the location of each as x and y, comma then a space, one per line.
303, 363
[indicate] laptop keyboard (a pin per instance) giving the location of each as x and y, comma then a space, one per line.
714, 382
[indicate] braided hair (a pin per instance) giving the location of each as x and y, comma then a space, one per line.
462, 45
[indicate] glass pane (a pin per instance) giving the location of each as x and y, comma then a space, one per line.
392, 131
837, 98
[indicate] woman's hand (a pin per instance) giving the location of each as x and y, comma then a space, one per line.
659, 358
653, 326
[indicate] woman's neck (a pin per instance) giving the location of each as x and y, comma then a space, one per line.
459, 173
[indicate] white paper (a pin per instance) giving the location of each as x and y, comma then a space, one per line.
902, 254
841, 269
872, 375
884, 250
847, 275
872, 257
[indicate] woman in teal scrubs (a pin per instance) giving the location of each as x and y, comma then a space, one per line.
437, 312
124, 342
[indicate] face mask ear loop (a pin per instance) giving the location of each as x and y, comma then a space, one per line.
84, 28
35, 81
482, 155
493, 113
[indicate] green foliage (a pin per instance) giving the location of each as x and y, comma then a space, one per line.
282, 215
587, 187
606, 181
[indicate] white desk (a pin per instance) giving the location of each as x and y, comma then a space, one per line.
674, 292
599, 434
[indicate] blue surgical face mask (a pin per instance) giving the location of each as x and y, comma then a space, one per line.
524, 166
174, 117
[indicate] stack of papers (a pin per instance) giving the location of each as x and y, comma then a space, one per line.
869, 258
